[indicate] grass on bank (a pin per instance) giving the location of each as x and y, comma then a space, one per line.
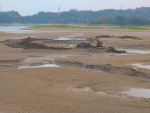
87, 26
131, 27
62, 26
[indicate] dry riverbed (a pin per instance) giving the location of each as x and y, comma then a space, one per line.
47, 75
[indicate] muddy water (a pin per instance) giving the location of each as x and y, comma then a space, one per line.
41, 66
142, 66
135, 92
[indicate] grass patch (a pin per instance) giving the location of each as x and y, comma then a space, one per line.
62, 26
131, 27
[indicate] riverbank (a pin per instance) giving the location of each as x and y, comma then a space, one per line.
88, 27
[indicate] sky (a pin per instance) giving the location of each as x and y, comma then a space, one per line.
30, 7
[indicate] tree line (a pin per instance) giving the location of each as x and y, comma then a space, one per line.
121, 20
138, 16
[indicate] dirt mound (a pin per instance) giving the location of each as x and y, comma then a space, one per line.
122, 37
127, 71
84, 45
104, 36
129, 37
28, 44
112, 50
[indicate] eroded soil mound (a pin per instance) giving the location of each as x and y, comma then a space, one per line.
126, 71
28, 44
121, 37
129, 37
104, 36
84, 45
112, 50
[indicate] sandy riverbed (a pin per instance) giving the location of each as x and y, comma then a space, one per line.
69, 88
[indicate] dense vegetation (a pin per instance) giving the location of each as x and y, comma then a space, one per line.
121, 20
138, 16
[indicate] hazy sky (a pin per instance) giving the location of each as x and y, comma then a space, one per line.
29, 7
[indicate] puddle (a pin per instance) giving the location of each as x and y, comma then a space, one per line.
142, 66
67, 38
121, 54
41, 66
32, 60
141, 93
72, 45
137, 51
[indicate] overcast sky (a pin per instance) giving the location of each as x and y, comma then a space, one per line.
30, 7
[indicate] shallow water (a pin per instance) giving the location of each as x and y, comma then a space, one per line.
15, 29
41, 66
136, 92
142, 66
11, 28
137, 51
72, 45
67, 38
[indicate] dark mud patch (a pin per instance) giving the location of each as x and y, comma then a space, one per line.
113, 50
9, 61
129, 37
84, 45
9, 66
126, 71
121, 37
104, 36
28, 43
